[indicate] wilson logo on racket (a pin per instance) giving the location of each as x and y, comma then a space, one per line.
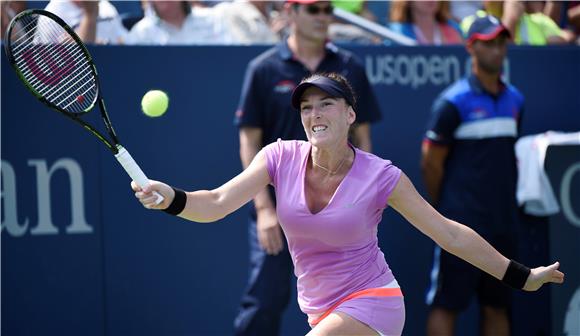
41, 60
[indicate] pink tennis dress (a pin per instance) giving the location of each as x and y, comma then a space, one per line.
335, 251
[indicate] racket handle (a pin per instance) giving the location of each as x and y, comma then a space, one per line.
132, 168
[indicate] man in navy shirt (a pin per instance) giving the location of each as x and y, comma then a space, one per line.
265, 114
469, 168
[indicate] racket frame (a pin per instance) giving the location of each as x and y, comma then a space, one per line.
120, 153
112, 145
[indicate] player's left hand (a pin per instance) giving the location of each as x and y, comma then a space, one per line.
544, 274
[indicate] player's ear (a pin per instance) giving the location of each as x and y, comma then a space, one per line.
351, 117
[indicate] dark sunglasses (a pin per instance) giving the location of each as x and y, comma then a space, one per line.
314, 10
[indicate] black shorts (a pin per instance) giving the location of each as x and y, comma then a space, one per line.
455, 282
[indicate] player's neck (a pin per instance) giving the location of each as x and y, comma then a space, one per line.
332, 161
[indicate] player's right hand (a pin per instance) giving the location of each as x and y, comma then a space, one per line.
148, 199
269, 231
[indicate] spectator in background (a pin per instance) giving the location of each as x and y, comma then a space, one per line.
248, 21
197, 3
177, 23
358, 7
264, 115
469, 169
344, 32
461, 9
525, 23
427, 22
566, 14
8, 10
94, 21
279, 21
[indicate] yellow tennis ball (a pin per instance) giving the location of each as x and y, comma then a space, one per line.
155, 103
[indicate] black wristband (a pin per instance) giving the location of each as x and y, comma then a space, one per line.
178, 203
516, 275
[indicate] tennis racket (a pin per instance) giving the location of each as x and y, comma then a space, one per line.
57, 68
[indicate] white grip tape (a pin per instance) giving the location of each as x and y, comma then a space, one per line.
134, 171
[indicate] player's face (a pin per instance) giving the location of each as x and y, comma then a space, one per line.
311, 21
326, 120
489, 55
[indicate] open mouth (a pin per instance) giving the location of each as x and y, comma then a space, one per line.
319, 128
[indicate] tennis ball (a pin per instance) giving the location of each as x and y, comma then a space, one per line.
154, 103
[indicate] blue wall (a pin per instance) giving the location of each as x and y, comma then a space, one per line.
129, 271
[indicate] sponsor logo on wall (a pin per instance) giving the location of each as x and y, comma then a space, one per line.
416, 71
17, 224
566, 194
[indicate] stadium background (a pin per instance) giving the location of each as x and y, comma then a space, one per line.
128, 271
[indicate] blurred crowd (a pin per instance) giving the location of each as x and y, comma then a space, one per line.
247, 22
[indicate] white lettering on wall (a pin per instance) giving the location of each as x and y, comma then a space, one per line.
565, 197
572, 319
8, 196
413, 71
44, 174
419, 70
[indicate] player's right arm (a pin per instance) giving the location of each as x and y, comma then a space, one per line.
211, 205
268, 229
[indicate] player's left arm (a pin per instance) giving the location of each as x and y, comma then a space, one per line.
459, 239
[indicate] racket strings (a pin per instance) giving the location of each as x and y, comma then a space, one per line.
67, 45
53, 63
52, 48
53, 93
22, 29
46, 48
36, 81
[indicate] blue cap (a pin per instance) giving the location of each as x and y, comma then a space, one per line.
485, 28
330, 86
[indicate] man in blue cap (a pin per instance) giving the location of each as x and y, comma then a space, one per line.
469, 169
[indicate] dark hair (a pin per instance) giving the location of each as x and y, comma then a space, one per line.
341, 80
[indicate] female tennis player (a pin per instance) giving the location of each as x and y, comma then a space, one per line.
331, 197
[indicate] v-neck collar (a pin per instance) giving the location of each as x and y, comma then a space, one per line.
338, 188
